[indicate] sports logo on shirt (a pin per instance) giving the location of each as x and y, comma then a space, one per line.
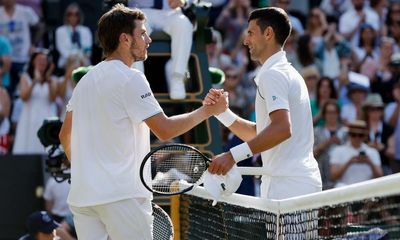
146, 95
274, 98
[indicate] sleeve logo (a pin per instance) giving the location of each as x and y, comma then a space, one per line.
145, 95
274, 98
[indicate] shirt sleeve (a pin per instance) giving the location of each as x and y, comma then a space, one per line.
138, 98
32, 17
274, 88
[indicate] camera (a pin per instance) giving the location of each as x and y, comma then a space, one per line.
56, 163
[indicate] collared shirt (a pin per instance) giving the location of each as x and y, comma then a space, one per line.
280, 86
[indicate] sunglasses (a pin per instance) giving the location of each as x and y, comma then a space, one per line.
359, 135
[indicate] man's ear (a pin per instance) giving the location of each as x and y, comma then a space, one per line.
123, 38
269, 33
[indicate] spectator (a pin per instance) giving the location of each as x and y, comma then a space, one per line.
40, 227
55, 196
353, 110
5, 62
5, 106
311, 75
379, 131
170, 19
237, 94
66, 84
73, 38
306, 53
232, 22
351, 21
382, 73
335, 8
316, 27
326, 137
392, 16
216, 58
334, 47
355, 161
38, 91
325, 90
15, 23
284, 4
367, 47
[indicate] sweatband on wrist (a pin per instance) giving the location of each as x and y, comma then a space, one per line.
241, 152
227, 118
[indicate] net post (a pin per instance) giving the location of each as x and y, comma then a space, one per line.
175, 216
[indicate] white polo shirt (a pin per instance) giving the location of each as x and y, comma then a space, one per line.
280, 86
109, 138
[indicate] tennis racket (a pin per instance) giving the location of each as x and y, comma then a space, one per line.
162, 224
171, 164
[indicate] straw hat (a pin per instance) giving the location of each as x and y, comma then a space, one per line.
357, 126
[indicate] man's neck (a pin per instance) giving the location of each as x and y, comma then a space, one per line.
269, 52
121, 55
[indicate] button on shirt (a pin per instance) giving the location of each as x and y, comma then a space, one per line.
280, 86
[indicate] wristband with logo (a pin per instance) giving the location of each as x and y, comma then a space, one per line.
241, 152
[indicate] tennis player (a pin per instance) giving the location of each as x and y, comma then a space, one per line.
106, 134
283, 132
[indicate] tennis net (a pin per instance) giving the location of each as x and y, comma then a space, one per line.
368, 210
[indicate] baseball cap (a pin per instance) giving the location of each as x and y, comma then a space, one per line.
222, 185
41, 221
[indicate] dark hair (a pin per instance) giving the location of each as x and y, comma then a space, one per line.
330, 102
113, 23
31, 69
333, 94
273, 17
304, 51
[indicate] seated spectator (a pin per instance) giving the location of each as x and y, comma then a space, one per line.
350, 22
379, 131
353, 110
73, 38
326, 137
316, 26
355, 161
5, 106
5, 62
66, 83
40, 226
38, 91
15, 23
296, 23
311, 75
232, 22
336, 8
170, 19
325, 91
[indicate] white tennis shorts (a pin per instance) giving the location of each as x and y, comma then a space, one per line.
121, 220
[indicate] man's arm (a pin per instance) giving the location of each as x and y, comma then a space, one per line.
165, 127
278, 131
65, 134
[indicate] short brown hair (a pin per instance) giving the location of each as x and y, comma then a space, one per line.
113, 23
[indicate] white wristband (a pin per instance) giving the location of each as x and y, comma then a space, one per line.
241, 152
227, 118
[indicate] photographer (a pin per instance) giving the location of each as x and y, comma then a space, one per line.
38, 91
355, 161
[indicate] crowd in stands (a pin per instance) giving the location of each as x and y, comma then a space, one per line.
348, 52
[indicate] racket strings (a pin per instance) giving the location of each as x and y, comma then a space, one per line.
174, 163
